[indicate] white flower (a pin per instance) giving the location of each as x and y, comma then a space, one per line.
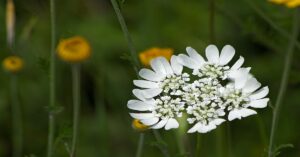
157, 113
243, 94
216, 65
159, 98
216, 91
203, 104
165, 78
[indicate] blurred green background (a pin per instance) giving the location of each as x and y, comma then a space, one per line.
105, 126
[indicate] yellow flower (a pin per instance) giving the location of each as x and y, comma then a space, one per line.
147, 55
12, 64
138, 125
288, 3
75, 49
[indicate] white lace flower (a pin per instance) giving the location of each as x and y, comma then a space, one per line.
243, 94
161, 91
203, 104
216, 91
165, 78
216, 65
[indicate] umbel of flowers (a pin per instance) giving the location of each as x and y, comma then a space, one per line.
209, 91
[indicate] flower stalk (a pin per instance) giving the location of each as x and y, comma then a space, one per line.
127, 36
140, 145
76, 106
52, 97
284, 80
17, 123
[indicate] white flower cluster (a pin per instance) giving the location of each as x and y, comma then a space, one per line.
212, 93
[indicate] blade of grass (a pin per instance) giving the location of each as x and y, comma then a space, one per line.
52, 96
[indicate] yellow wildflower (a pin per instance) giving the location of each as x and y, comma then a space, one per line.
75, 49
288, 3
138, 125
147, 55
12, 64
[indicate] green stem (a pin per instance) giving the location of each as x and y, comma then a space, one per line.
198, 146
284, 80
162, 148
51, 129
126, 35
264, 16
76, 106
141, 145
17, 123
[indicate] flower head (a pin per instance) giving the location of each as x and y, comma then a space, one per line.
242, 95
160, 94
138, 126
217, 91
13, 64
147, 55
75, 49
287, 3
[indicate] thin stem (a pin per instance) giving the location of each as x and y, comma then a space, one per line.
162, 148
284, 80
198, 146
76, 106
51, 129
126, 35
17, 123
220, 142
264, 16
141, 145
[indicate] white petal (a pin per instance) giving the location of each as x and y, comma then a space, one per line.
251, 85
207, 128
145, 84
149, 75
150, 121
195, 128
171, 124
235, 74
138, 93
226, 55
259, 94
160, 124
212, 54
245, 112
195, 55
158, 66
152, 92
141, 115
238, 63
234, 114
260, 103
166, 65
188, 62
218, 121
139, 105
176, 66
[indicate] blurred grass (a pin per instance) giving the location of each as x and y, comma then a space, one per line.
106, 78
